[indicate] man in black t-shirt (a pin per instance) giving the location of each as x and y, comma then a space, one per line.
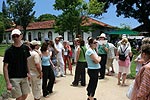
16, 71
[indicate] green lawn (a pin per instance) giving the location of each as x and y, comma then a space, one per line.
3, 47
2, 84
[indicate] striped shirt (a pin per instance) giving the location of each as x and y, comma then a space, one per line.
141, 89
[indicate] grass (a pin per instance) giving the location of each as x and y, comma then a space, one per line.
3, 48
2, 84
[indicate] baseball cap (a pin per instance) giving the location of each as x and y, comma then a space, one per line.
15, 31
46, 39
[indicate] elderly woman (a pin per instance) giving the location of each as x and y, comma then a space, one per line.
141, 90
123, 64
93, 68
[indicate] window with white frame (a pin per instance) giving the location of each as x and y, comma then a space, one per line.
50, 35
39, 36
29, 36
70, 36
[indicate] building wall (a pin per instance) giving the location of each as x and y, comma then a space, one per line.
32, 34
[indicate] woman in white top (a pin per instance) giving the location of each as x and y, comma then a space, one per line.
124, 65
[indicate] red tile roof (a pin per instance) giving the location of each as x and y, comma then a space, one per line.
91, 21
37, 25
49, 24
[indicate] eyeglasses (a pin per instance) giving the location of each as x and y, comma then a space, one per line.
94, 42
15, 36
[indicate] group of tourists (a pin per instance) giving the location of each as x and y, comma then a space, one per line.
36, 65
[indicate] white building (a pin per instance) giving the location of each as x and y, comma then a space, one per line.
45, 29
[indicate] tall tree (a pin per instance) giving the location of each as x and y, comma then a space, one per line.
5, 18
46, 17
74, 12
21, 12
2, 26
137, 9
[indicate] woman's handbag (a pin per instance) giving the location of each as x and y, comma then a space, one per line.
130, 90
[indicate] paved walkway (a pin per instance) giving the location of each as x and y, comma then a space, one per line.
107, 89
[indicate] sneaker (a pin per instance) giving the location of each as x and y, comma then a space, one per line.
73, 85
101, 78
62, 75
112, 72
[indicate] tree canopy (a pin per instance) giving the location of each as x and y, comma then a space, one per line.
74, 12
137, 9
46, 17
21, 12
2, 26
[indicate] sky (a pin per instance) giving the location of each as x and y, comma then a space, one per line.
46, 7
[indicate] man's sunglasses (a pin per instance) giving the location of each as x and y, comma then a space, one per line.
15, 36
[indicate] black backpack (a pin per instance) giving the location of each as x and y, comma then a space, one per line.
122, 54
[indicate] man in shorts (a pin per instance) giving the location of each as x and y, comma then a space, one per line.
35, 69
16, 71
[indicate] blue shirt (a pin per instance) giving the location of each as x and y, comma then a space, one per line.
46, 61
90, 62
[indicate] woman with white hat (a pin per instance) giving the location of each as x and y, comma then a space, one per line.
102, 51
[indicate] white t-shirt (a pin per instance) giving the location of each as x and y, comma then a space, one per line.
123, 47
111, 51
60, 48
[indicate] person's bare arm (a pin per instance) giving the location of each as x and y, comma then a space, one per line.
78, 53
95, 58
6, 76
56, 51
39, 69
28, 74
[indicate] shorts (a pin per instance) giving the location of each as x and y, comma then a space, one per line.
124, 69
109, 63
20, 86
36, 85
